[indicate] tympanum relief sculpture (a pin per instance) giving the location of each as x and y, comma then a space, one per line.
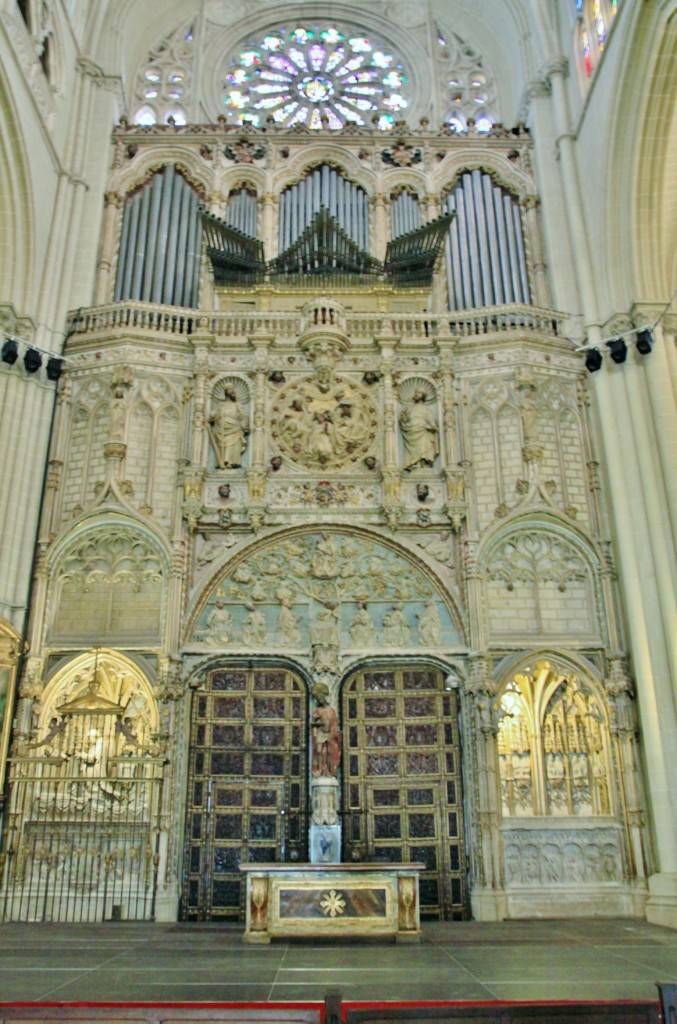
325, 593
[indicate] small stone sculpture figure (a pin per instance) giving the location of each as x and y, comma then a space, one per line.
396, 630
288, 632
420, 432
228, 429
254, 629
324, 628
362, 630
219, 625
326, 735
429, 626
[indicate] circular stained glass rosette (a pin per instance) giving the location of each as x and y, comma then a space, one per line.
318, 77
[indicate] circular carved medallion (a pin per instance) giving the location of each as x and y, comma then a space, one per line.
324, 422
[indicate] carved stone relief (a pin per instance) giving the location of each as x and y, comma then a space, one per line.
325, 591
324, 421
229, 423
562, 857
419, 423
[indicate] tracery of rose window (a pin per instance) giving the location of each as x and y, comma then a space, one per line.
317, 76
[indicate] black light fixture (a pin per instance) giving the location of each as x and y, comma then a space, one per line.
10, 352
32, 360
618, 350
593, 360
54, 367
644, 341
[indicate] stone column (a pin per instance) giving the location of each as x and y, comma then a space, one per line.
111, 223
270, 205
381, 233
390, 474
530, 206
487, 899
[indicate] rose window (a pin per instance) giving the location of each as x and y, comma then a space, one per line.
318, 77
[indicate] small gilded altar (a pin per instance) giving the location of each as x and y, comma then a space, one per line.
317, 900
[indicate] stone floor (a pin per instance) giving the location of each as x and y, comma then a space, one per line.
512, 960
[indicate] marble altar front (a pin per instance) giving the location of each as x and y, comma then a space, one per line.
317, 900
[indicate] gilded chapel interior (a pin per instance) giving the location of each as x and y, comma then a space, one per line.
339, 422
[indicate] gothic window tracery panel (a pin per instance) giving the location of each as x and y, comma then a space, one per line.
467, 84
315, 75
553, 746
164, 81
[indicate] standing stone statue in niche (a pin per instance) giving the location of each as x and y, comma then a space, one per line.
219, 625
362, 630
396, 629
429, 632
324, 628
254, 629
228, 429
288, 632
420, 432
326, 735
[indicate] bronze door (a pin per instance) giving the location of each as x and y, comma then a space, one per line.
246, 784
402, 795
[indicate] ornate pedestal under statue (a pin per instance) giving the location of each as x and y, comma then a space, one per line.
316, 900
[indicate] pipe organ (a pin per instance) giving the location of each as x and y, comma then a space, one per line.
405, 214
486, 260
242, 211
160, 243
324, 187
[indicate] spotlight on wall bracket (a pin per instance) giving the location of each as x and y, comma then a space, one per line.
32, 360
618, 350
593, 360
54, 366
644, 342
10, 352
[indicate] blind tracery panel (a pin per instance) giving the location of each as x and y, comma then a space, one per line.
486, 258
324, 187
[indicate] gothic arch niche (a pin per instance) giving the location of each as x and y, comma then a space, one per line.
85, 797
402, 787
541, 578
563, 817
107, 583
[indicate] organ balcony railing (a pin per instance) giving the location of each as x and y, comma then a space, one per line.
141, 319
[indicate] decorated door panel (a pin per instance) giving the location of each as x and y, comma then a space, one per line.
246, 789
402, 781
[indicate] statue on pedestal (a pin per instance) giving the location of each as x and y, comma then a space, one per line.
228, 429
326, 736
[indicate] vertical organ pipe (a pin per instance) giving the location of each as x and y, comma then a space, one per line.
504, 261
140, 252
162, 235
494, 257
131, 245
512, 249
487, 293
197, 250
154, 217
170, 261
182, 240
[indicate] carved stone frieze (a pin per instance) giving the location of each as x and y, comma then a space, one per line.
562, 857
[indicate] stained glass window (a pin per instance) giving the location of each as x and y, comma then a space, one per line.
318, 76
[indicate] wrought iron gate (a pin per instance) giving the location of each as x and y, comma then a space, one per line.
82, 827
402, 797
246, 784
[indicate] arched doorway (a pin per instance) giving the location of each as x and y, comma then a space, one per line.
247, 783
402, 792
